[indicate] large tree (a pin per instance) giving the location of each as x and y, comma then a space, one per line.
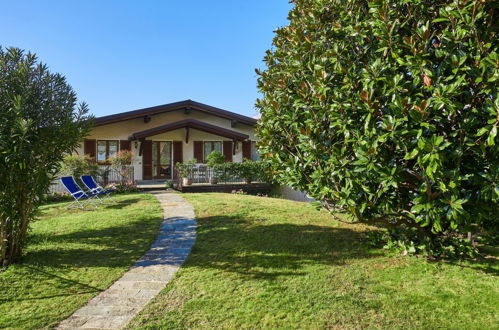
387, 110
40, 122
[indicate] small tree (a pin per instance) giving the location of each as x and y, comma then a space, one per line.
214, 160
122, 162
387, 110
39, 124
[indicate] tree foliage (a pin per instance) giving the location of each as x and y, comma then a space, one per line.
387, 110
122, 163
39, 123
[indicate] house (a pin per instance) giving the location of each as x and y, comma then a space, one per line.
163, 135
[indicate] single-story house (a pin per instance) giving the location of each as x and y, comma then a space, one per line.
163, 135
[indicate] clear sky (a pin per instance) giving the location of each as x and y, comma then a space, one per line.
125, 55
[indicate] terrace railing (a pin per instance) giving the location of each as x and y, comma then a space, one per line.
203, 174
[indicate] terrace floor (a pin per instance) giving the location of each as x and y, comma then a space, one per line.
254, 187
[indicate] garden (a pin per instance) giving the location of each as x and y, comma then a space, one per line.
72, 255
257, 262
384, 112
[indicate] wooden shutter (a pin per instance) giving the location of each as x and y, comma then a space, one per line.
146, 160
177, 152
177, 155
125, 145
227, 150
198, 151
89, 148
247, 150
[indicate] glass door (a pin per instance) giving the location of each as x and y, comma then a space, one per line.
162, 159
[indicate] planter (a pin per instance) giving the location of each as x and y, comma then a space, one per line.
186, 181
213, 180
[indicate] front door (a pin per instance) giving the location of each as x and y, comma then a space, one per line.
162, 159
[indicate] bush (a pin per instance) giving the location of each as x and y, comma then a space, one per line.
76, 166
387, 110
407, 240
168, 184
215, 158
121, 162
248, 170
123, 188
39, 124
186, 169
56, 197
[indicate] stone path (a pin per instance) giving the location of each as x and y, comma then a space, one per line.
116, 306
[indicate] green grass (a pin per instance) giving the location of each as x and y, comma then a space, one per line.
271, 263
74, 255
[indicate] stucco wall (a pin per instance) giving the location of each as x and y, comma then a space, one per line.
295, 195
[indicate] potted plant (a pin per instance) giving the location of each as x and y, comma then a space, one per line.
185, 171
214, 160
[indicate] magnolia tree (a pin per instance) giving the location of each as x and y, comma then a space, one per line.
387, 110
39, 124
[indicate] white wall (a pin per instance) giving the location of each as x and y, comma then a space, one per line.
294, 195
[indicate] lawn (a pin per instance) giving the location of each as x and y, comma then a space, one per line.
74, 255
269, 263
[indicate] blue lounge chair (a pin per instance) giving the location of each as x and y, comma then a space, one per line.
82, 199
95, 189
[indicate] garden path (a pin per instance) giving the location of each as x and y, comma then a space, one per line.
116, 306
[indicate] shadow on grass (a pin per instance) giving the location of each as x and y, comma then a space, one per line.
262, 250
115, 246
77, 287
489, 265
122, 203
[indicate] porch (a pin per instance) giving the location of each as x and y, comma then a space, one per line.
252, 188
202, 178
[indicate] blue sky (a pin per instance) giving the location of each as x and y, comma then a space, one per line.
125, 55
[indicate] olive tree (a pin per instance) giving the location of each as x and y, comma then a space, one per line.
39, 123
387, 110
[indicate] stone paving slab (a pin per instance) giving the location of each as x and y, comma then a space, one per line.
125, 298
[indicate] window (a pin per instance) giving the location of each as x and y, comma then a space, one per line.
209, 146
106, 150
254, 152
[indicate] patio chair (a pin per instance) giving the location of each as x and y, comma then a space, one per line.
95, 189
82, 199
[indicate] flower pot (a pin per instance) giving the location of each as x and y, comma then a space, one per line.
186, 181
213, 180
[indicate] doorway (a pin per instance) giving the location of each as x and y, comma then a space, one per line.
162, 159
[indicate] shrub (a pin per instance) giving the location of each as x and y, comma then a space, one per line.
76, 166
168, 184
215, 158
186, 169
387, 110
121, 162
39, 124
56, 197
123, 188
249, 170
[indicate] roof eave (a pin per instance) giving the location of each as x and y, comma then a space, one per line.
190, 123
134, 114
